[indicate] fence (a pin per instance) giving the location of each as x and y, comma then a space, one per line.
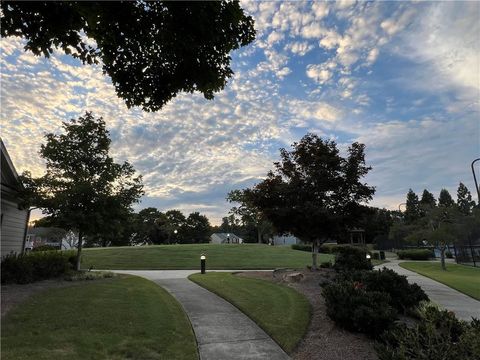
468, 255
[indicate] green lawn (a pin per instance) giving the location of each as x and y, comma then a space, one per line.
119, 318
465, 279
226, 256
279, 310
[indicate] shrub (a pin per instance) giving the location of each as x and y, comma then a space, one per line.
403, 295
448, 255
27, 268
355, 309
350, 258
376, 256
326, 265
302, 247
44, 248
88, 275
415, 254
438, 335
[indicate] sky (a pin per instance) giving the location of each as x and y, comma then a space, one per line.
401, 77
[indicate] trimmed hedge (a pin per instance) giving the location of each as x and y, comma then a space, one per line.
35, 266
438, 335
302, 247
415, 254
356, 309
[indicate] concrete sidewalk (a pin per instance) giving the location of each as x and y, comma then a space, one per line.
462, 305
222, 331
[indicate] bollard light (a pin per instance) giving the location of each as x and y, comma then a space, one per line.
368, 256
202, 263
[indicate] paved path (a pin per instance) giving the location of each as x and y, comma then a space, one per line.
462, 305
222, 331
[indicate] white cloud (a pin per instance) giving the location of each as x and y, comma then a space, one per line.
299, 48
319, 73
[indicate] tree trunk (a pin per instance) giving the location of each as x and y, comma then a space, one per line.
259, 235
314, 255
442, 258
79, 252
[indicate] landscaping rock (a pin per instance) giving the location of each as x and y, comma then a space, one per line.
293, 277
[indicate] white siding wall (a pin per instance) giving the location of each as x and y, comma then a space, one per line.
13, 228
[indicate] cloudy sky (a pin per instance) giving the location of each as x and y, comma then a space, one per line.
403, 78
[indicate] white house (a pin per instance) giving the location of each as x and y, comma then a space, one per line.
14, 218
225, 238
287, 239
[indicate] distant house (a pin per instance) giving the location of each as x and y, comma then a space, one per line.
40, 236
14, 218
287, 239
225, 238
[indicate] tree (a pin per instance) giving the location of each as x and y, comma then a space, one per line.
197, 228
464, 200
248, 213
412, 212
314, 193
445, 199
83, 189
176, 225
149, 227
152, 50
428, 199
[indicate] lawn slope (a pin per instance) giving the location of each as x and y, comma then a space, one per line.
465, 279
119, 318
225, 256
280, 311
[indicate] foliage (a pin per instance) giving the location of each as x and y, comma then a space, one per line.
415, 254
326, 265
464, 200
281, 311
403, 295
88, 275
151, 50
412, 211
356, 309
35, 266
314, 193
439, 335
83, 188
45, 248
249, 213
349, 258
427, 199
302, 247
445, 199
197, 228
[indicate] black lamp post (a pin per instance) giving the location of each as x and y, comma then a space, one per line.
228, 238
475, 179
202, 263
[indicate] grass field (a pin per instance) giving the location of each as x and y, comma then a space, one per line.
227, 256
465, 279
119, 318
280, 311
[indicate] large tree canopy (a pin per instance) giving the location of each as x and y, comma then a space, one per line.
314, 192
152, 50
83, 189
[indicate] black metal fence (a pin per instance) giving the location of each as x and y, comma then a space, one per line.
468, 255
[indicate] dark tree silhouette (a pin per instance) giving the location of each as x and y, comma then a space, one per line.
152, 50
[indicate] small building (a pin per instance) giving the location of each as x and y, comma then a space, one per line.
357, 236
14, 218
286, 239
225, 238
41, 236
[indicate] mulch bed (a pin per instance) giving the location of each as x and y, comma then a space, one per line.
323, 340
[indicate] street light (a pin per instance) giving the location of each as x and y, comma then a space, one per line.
228, 238
475, 179
368, 256
202, 263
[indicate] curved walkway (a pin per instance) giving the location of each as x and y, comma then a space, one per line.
222, 331
462, 305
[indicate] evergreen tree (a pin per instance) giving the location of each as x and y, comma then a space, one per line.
412, 212
464, 200
445, 199
428, 199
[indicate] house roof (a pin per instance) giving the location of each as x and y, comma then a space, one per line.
225, 236
10, 181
